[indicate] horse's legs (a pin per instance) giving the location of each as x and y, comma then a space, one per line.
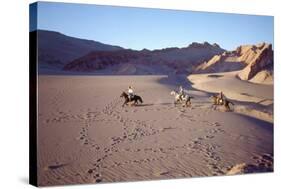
227, 107
125, 103
135, 102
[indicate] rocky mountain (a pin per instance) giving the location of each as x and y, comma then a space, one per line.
254, 61
261, 61
56, 49
178, 60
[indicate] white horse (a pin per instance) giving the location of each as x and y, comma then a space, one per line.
181, 98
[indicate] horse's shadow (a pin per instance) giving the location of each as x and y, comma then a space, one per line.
141, 105
152, 104
165, 103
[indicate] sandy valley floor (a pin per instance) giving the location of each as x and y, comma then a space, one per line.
85, 136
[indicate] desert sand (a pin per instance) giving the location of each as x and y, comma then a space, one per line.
85, 136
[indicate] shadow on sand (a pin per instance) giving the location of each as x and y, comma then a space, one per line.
165, 103
144, 104
152, 104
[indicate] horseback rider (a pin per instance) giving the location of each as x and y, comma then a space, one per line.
181, 93
221, 97
130, 93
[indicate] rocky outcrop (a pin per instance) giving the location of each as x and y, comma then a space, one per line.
262, 59
224, 62
250, 59
264, 76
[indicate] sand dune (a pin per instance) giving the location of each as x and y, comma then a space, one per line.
85, 136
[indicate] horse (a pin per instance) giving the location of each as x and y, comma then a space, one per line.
181, 98
135, 99
224, 102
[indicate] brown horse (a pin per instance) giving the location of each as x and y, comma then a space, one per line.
135, 99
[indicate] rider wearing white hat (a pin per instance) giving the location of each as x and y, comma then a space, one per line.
130, 92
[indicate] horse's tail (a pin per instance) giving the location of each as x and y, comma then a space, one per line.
141, 100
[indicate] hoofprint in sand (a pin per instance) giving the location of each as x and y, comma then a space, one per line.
85, 136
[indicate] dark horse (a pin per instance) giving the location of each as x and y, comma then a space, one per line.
134, 99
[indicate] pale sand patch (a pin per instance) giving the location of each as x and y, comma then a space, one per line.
85, 136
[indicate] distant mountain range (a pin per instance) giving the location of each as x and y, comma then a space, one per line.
180, 60
59, 53
56, 49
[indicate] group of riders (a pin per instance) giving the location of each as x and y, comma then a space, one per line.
181, 96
